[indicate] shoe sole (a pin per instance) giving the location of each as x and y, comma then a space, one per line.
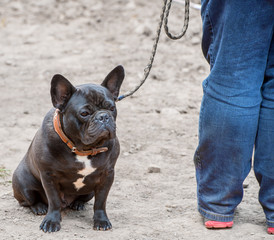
270, 230
218, 225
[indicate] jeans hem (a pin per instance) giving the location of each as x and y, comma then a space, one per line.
215, 216
270, 223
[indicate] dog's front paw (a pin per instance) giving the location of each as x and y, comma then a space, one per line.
101, 221
102, 225
51, 223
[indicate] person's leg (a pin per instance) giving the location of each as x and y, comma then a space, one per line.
236, 43
264, 148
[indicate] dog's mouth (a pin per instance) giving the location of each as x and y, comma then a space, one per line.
104, 136
97, 138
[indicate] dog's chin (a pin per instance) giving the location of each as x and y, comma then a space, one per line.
98, 141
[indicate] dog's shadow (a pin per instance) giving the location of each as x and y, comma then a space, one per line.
80, 218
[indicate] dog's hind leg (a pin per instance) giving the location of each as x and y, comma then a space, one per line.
32, 197
36, 204
79, 203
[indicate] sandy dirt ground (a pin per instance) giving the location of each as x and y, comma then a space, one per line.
84, 40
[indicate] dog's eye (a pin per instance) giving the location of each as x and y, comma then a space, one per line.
84, 114
112, 108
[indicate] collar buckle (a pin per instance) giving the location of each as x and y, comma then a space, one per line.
73, 149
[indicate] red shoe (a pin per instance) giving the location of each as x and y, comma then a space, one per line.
270, 230
220, 225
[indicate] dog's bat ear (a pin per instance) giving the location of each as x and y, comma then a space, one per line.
113, 81
61, 91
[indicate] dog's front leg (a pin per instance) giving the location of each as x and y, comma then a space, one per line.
51, 222
101, 221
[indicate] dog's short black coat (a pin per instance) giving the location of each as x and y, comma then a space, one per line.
50, 176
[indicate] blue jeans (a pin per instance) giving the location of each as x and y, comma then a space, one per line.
237, 110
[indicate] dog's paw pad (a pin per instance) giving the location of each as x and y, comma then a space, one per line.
39, 208
77, 205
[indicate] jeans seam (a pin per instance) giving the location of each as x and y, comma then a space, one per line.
210, 49
197, 160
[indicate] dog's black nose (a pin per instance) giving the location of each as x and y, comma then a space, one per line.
102, 117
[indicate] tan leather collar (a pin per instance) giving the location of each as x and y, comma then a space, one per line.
65, 139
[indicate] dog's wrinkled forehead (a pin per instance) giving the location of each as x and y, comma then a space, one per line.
92, 94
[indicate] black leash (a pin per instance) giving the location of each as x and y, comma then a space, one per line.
163, 17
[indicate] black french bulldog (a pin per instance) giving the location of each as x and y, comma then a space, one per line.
73, 154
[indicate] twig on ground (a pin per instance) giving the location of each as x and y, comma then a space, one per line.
4, 173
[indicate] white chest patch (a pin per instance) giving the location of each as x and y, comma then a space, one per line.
87, 169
